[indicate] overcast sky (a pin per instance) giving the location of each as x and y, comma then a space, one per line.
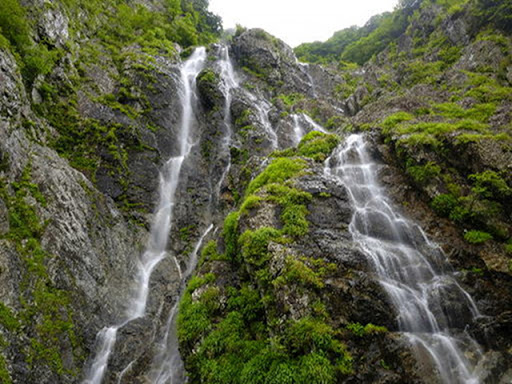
299, 21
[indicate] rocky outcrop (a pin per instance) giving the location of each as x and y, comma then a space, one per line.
319, 277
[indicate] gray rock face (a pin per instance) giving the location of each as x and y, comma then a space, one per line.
4, 219
93, 248
54, 26
355, 102
11, 88
481, 54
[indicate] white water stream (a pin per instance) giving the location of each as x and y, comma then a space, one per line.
229, 82
156, 249
300, 124
263, 108
412, 270
167, 364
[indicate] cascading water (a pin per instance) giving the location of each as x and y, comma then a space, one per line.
300, 121
263, 108
229, 82
411, 269
304, 67
167, 364
157, 244
298, 131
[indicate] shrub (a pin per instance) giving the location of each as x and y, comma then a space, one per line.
444, 204
489, 184
422, 174
477, 237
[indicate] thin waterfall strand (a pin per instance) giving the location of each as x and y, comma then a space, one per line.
157, 244
167, 365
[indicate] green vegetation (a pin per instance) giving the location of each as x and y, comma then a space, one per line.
289, 100
355, 44
278, 171
444, 204
423, 174
126, 39
15, 30
368, 329
314, 145
477, 237
317, 145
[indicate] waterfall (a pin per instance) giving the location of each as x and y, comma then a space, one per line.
300, 121
161, 226
298, 131
263, 108
411, 269
304, 68
167, 364
228, 83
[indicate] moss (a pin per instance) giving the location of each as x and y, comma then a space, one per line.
465, 138
437, 129
393, 120
303, 271
291, 99
421, 72
293, 204
210, 253
508, 247
278, 171
193, 318
317, 145
5, 376
186, 232
232, 334
7, 319
230, 234
254, 245
479, 112
249, 203
239, 156
33, 59
489, 184
419, 139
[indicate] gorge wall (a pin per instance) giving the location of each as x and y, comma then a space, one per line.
91, 108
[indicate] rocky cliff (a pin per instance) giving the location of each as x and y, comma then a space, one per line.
91, 110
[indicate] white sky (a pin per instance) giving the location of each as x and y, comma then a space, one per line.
299, 21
